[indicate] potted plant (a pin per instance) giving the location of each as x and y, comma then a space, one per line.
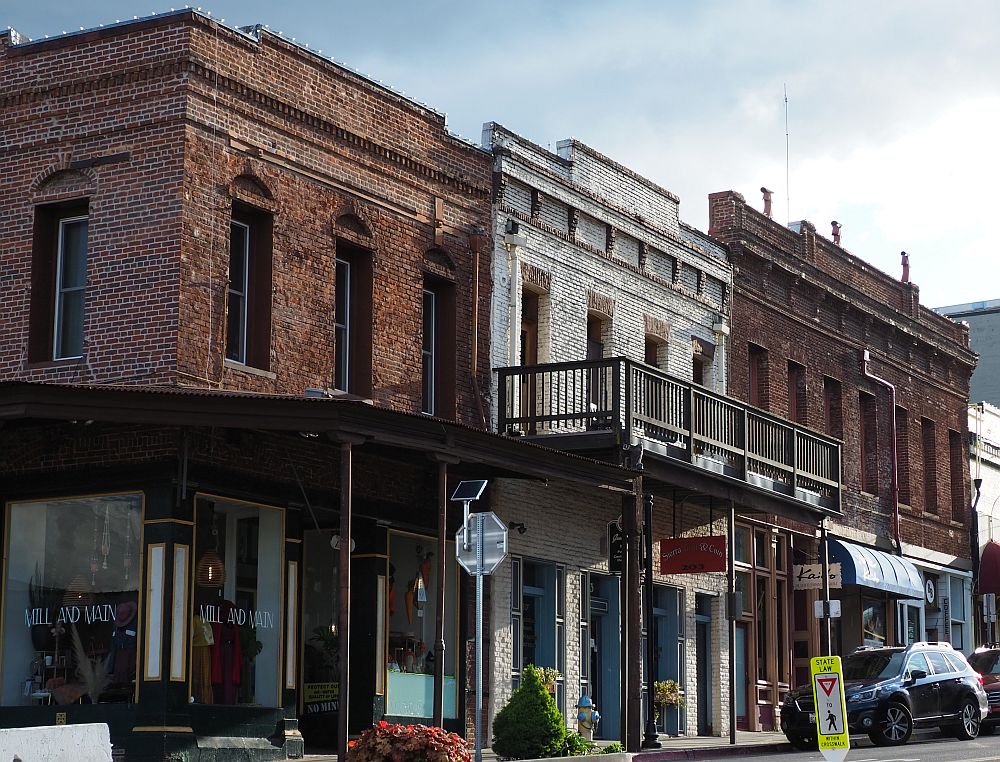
549, 676
667, 693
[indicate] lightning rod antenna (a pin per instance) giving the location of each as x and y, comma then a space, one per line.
788, 193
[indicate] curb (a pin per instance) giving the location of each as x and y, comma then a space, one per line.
655, 755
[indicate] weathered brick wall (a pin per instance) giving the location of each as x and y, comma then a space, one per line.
162, 124
324, 142
804, 299
97, 116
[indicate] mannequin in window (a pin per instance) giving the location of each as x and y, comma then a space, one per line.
226, 655
121, 658
202, 641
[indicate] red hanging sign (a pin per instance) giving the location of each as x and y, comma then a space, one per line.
692, 555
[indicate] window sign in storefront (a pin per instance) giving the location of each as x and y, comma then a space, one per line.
236, 633
71, 597
411, 593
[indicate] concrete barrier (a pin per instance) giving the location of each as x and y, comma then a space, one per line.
79, 743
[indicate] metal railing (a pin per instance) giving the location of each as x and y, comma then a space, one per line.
681, 419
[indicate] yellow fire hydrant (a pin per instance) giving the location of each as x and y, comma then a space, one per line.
587, 717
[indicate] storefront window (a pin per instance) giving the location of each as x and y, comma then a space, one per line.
71, 600
236, 623
320, 652
412, 610
872, 622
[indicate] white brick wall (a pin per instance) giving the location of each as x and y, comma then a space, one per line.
568, 525
574, 266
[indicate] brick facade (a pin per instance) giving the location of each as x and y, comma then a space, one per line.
799, 299
176, 118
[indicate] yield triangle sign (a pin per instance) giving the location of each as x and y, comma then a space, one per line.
827, 684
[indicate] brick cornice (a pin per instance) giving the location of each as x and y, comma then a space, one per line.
287, 111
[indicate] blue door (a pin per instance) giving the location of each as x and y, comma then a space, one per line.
605, 654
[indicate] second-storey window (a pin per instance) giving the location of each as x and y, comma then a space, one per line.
58, 281
352, 320
71, 279
438, 348
248, 310
428, 351
239, 268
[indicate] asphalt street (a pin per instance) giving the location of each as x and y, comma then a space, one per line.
928, 747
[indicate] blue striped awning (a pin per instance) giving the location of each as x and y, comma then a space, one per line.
876, 569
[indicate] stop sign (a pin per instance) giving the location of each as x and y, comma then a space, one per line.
492, 532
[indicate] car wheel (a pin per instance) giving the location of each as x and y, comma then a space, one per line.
895, 727
969, 719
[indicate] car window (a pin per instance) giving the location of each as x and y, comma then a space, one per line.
956, 661
872, 665
917, 661
986, 662
939, 663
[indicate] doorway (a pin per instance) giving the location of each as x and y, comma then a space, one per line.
668, 605
705, 667
605, 654
741, 678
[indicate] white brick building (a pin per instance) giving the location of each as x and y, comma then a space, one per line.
593, 262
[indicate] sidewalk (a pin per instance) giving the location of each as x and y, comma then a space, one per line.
674, 747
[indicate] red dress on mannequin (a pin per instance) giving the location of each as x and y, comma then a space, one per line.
227, 657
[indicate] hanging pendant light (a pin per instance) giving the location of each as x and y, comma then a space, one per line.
211, 572
78, 593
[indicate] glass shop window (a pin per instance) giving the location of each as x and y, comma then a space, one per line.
71, 600
320, 650
412, 608
236, 622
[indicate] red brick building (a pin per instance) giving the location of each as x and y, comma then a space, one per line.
823, 338
243, 314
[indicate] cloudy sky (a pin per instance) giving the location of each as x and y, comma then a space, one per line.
893, 105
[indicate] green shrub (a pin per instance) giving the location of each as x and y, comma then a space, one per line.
530, 726
613, 748
577, 745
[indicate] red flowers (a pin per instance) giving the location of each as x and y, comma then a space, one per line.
387, 742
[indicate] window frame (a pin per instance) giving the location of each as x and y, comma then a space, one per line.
60, 291
45, 271
429, 351
238, 353
343, 281
254, 319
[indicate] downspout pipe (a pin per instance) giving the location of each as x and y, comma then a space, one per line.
894, 487
477, 242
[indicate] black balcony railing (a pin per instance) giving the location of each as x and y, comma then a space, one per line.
678, 419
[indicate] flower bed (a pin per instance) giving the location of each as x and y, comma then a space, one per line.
408, 743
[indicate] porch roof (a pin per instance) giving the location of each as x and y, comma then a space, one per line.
334, 417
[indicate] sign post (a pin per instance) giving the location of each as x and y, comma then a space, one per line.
480, 547
831, 708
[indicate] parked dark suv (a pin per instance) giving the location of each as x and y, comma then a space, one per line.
889, 691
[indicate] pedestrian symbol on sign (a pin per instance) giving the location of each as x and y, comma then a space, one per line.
831, 722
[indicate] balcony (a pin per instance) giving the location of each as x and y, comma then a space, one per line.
677, 420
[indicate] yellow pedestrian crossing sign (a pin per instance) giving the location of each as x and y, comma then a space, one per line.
831, 709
